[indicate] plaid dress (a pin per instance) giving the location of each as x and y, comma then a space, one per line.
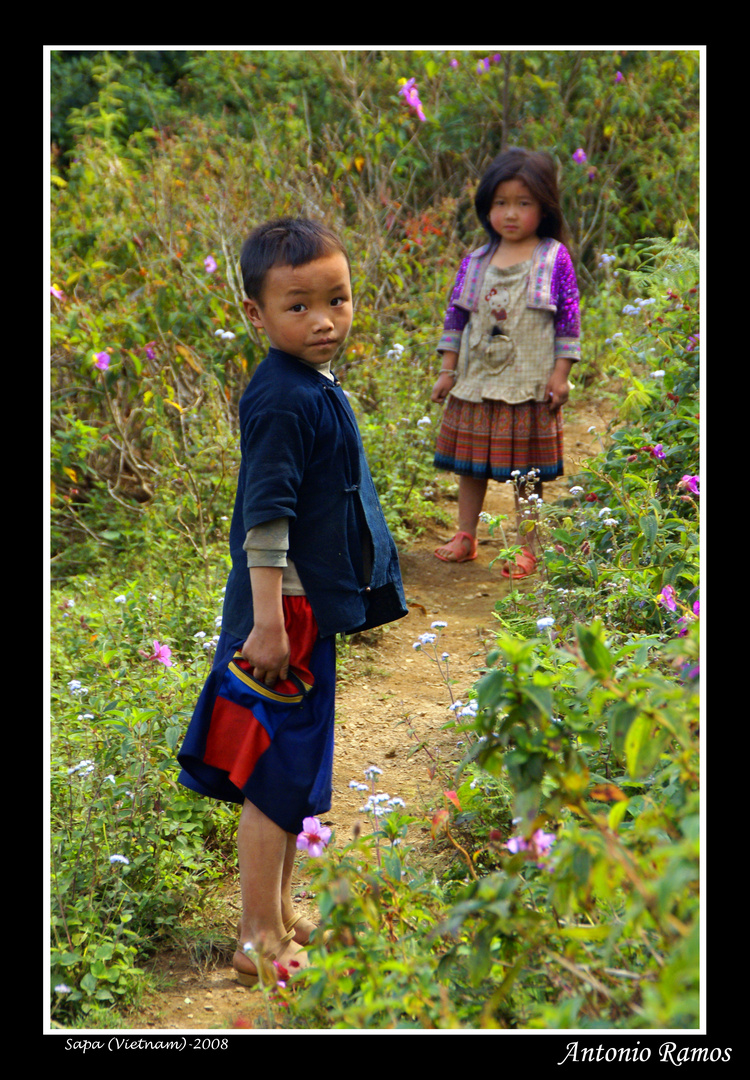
496, 418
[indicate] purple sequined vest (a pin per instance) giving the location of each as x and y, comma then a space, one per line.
552, 287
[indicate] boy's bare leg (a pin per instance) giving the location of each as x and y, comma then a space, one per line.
304, 926
262, 848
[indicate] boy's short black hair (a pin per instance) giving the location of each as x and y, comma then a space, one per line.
284, 242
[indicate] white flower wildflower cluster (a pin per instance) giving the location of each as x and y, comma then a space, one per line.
429, 638
425, 639
465, 711
611, 521
83, 767
77, 688
378, 804
225, 335
606, 259
395, 353
206, 642
633, 309
381, 805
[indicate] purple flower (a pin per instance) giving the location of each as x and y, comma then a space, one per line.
210, 264
658, 451
483, 65
102, 361
619, 77
454, 63
539, 845
409, 90
314, 837
667, 597
579, 156
691, 483
692, 342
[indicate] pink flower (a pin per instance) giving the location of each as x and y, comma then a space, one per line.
667, 597
210, 264
579, 156
162, 653
314, 837
102, 361
57, 292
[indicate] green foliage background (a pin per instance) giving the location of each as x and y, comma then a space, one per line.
161, 160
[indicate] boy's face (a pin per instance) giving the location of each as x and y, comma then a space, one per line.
306, 310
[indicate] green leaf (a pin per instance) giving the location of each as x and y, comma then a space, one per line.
595, 652
636, 741
649, 528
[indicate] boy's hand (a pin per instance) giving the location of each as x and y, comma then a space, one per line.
267, 649
267, 645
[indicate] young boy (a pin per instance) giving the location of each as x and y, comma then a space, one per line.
311, 557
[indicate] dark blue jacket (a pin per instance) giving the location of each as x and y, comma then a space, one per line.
302, 458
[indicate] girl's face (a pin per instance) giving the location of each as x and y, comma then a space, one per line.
515, 214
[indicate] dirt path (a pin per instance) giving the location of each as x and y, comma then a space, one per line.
384, 681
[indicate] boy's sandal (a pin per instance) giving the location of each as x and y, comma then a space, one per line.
523, 567
458, 546
313, 935
268, 972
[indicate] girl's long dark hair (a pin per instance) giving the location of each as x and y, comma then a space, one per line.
537, 171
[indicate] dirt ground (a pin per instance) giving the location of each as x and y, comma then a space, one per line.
385, 682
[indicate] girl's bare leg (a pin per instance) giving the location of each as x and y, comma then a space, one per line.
471, 493
530, 539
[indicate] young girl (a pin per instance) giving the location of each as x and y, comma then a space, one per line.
510, 336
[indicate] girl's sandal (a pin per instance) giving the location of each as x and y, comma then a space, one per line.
267, 974
463, 548
523, 567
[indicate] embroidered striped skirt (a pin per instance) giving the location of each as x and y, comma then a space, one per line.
271, 746
489, 440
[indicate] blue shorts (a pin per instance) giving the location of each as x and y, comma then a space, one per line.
273, 747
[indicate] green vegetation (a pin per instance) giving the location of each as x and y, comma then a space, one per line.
580, 742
